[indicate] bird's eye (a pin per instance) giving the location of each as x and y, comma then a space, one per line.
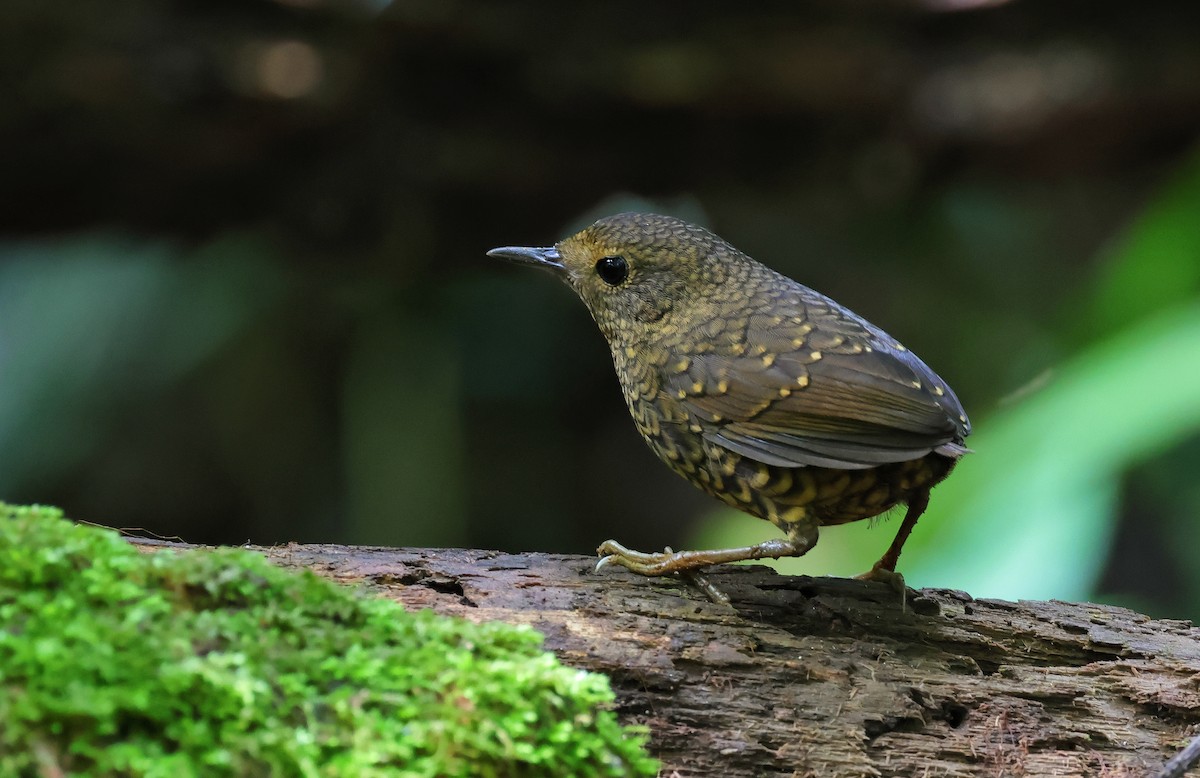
612, 270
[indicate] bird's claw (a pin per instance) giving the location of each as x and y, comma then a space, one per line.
703, 584
891, 578
613, 553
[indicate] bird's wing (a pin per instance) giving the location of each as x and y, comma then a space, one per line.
809, 383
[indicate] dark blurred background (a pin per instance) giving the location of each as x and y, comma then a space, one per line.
243, 291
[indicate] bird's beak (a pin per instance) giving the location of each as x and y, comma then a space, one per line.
547, 257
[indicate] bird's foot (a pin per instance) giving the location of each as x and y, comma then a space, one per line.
612, 552
687, 563
663, 563
666, 562
885, 575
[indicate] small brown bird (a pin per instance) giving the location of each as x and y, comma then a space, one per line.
758, 390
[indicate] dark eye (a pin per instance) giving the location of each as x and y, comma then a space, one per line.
612, 270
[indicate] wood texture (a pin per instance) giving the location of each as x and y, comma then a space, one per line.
823, 677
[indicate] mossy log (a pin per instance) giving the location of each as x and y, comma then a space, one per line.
804, 676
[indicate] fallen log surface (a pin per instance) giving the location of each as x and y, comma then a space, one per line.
802, 676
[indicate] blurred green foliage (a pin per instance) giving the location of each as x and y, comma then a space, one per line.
98, 321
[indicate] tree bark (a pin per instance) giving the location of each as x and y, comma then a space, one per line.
802, 676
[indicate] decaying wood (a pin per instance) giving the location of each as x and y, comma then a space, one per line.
827, 677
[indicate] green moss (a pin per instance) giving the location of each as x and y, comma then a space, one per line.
114, 662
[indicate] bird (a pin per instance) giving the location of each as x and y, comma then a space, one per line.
758, 390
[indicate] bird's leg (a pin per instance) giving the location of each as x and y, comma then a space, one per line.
885, 569
801, 536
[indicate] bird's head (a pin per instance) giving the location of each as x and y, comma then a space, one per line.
635, 271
